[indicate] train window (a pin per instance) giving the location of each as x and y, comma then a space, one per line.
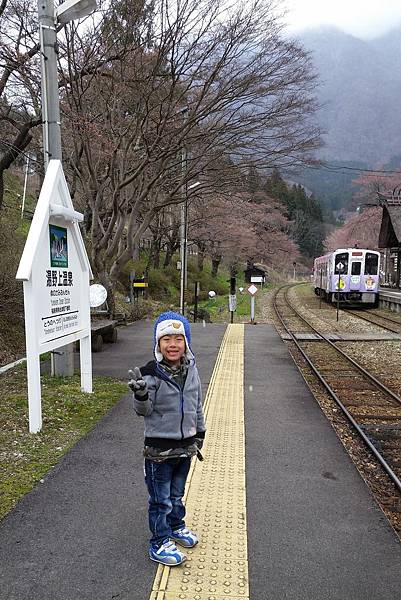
342, 257
371, 263
356, 268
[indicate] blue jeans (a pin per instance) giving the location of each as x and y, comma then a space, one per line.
166, 485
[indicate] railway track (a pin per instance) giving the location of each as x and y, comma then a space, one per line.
375, 318
373, 409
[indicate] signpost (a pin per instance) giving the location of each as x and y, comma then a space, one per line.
196, 294
232, 298
252, 291
340, 268
138, 288
55, 271
321, 287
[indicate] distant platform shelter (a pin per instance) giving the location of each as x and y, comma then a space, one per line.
254, 274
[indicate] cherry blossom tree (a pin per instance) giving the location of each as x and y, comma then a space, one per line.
361, 229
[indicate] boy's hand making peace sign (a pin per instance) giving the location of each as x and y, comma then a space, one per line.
136, 383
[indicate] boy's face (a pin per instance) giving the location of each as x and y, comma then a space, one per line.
172, 348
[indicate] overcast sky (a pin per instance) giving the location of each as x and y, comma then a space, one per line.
362, 18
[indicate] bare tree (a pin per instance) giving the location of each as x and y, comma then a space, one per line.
193, 86
20, 110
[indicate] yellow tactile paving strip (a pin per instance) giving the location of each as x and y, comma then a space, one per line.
217, 567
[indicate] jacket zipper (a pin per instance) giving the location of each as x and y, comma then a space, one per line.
182, 413
181, 401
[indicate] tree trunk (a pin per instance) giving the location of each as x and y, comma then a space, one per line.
1, 189
156, 254
201, 255
15, 149
168, 257
106, 282
216, 260
135, 252
171, 249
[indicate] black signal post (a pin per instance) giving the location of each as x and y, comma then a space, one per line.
233, 299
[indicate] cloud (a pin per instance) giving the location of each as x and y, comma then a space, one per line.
362, 18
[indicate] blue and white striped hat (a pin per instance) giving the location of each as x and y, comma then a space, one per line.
171, 323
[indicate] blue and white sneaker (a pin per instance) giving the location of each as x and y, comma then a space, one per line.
167, 554
184, 537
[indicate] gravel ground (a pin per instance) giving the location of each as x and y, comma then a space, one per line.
325, 318
382, 358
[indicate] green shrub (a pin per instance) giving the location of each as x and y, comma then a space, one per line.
218, 284
138, 266
173, 274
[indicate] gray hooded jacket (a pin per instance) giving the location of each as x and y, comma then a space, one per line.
171, 414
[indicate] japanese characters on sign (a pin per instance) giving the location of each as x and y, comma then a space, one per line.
59, 287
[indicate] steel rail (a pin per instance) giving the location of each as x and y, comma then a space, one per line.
332, 393
356, 314
379, 384
385, 317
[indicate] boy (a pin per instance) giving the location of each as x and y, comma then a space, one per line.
167, 393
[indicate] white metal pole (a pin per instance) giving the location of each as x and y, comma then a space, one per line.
182, 254
252, 309
183, 225
32, 362
86, 364
25, 184
185, 238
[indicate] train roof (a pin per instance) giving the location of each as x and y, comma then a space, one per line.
346, 250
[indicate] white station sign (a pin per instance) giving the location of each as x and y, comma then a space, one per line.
57, 283
55, 270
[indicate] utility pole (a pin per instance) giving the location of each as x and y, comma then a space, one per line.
49, 82
62, 361
183, 219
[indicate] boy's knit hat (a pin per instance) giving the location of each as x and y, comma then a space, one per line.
171, 323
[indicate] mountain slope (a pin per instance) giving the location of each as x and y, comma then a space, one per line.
359, 93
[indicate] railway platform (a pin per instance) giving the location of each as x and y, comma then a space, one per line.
280, 509
390, 298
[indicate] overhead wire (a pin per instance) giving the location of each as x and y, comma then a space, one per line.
337, 168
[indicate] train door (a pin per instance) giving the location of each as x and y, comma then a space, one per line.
371, 274
356, 270
340, 278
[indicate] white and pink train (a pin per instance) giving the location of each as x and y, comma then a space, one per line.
350, 275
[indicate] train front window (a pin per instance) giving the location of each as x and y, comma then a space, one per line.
371, 263
341, 258
355, 268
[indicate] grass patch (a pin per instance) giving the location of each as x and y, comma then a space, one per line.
218, 307
68, 414
304, 289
